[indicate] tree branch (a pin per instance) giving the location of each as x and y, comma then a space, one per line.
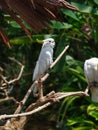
59, 96
20, 73
8, 99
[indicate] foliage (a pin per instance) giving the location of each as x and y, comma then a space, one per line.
79, 30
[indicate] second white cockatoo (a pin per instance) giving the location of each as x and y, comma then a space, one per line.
91, 74
45, 60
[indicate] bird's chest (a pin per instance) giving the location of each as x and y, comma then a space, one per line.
46, 54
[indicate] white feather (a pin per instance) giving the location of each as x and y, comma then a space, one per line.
45, 58
91, 74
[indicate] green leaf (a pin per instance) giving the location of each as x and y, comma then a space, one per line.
25, 39
77, 73
14, 24
92, 110
59, 25
79, 120
83, 128
20, 40
70, 60
70, 14
83, 8
96, 1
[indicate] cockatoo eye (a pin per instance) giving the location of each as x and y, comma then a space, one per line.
49, 41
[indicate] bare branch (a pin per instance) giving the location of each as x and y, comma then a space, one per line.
4, 79
59, 57
13, 59
8, 99
20, 73
59, 95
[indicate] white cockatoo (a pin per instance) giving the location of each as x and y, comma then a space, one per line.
91, 74
44, 61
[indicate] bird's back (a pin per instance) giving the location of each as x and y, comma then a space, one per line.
91, 70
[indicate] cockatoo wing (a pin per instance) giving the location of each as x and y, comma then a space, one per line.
45, 59
36, 72
91, 70
91, 73
43, 63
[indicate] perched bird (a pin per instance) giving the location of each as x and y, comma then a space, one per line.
91, 74
44, 61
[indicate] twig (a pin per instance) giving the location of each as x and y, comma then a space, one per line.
59, 57
33, 4
13, 59
19, 76
58, 95
8, 99
4, 79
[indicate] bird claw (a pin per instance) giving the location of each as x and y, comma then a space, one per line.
52, 97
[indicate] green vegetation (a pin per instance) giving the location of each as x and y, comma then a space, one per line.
79, 30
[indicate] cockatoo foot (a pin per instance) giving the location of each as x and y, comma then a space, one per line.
51, 96
53, 99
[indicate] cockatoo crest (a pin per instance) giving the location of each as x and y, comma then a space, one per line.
49, 42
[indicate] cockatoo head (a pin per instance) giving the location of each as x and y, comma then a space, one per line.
49, 42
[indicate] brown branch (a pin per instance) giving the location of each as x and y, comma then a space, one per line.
4, 79
59, 96
8, 99
5, 38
